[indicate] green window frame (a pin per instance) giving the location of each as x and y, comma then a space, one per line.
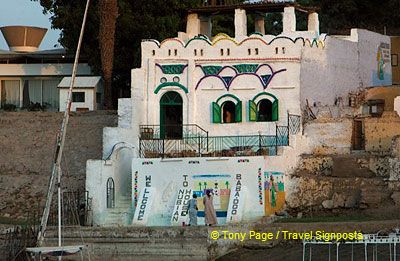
253, 108
217, 109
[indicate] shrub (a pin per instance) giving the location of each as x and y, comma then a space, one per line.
9, 107
36, 107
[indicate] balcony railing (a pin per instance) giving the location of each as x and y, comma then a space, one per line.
149, 132
190, 140
217, 146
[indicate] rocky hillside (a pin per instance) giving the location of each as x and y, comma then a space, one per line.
26, 151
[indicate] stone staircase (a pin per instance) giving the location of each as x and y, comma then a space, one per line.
122, 214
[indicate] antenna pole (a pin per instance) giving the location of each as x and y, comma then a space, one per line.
60, 143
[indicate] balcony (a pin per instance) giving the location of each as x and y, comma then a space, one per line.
179, 141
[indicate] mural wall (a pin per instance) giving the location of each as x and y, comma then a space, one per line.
274, 192
243, 189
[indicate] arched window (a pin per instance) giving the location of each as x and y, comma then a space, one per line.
110, 193
227, 109
228, 112
264, 110
264, 107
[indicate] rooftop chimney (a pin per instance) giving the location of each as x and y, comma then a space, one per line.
289, 20
240, 24
24, 39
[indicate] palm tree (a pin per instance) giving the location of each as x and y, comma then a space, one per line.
108, 11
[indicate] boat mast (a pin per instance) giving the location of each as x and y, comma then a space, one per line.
56, 170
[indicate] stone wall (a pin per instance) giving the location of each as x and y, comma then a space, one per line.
380, 131
361, 181
329, 136
27, 142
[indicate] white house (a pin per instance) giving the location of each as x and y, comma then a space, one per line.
224, 113
87, 94
28, 76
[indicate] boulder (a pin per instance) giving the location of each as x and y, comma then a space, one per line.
338, 200
351, 201
327, 204
396, 197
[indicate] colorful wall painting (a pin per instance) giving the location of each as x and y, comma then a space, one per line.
274, 191
383, 58
234, 181
221, 187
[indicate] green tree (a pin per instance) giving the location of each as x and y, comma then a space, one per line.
160, 19
137, 20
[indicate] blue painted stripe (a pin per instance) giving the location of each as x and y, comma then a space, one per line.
211, 176
220, 214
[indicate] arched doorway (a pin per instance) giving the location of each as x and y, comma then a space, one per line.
171, 112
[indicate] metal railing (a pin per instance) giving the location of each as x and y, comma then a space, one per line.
76, 209
251, 145
190, 140
171, 131
217, 146
294, 123
282, 136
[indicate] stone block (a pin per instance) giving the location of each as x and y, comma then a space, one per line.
394, 169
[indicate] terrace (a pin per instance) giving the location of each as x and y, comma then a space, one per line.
177, 141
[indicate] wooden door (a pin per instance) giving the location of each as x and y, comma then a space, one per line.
358, 135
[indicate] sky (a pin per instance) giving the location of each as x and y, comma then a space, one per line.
26, 12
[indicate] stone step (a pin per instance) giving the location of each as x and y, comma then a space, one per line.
123, 205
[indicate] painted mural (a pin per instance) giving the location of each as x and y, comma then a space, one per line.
161, 189
383, 59
227, 74
220, 185
274, 192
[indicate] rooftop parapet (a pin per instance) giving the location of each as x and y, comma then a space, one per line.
199, 20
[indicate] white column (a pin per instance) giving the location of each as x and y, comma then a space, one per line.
289, 20
259, 24
193, 25
206, 26
21, 93
240, 24
313, 23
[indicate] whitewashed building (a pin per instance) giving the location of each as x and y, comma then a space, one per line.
87, 94
224, 113
28, 76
